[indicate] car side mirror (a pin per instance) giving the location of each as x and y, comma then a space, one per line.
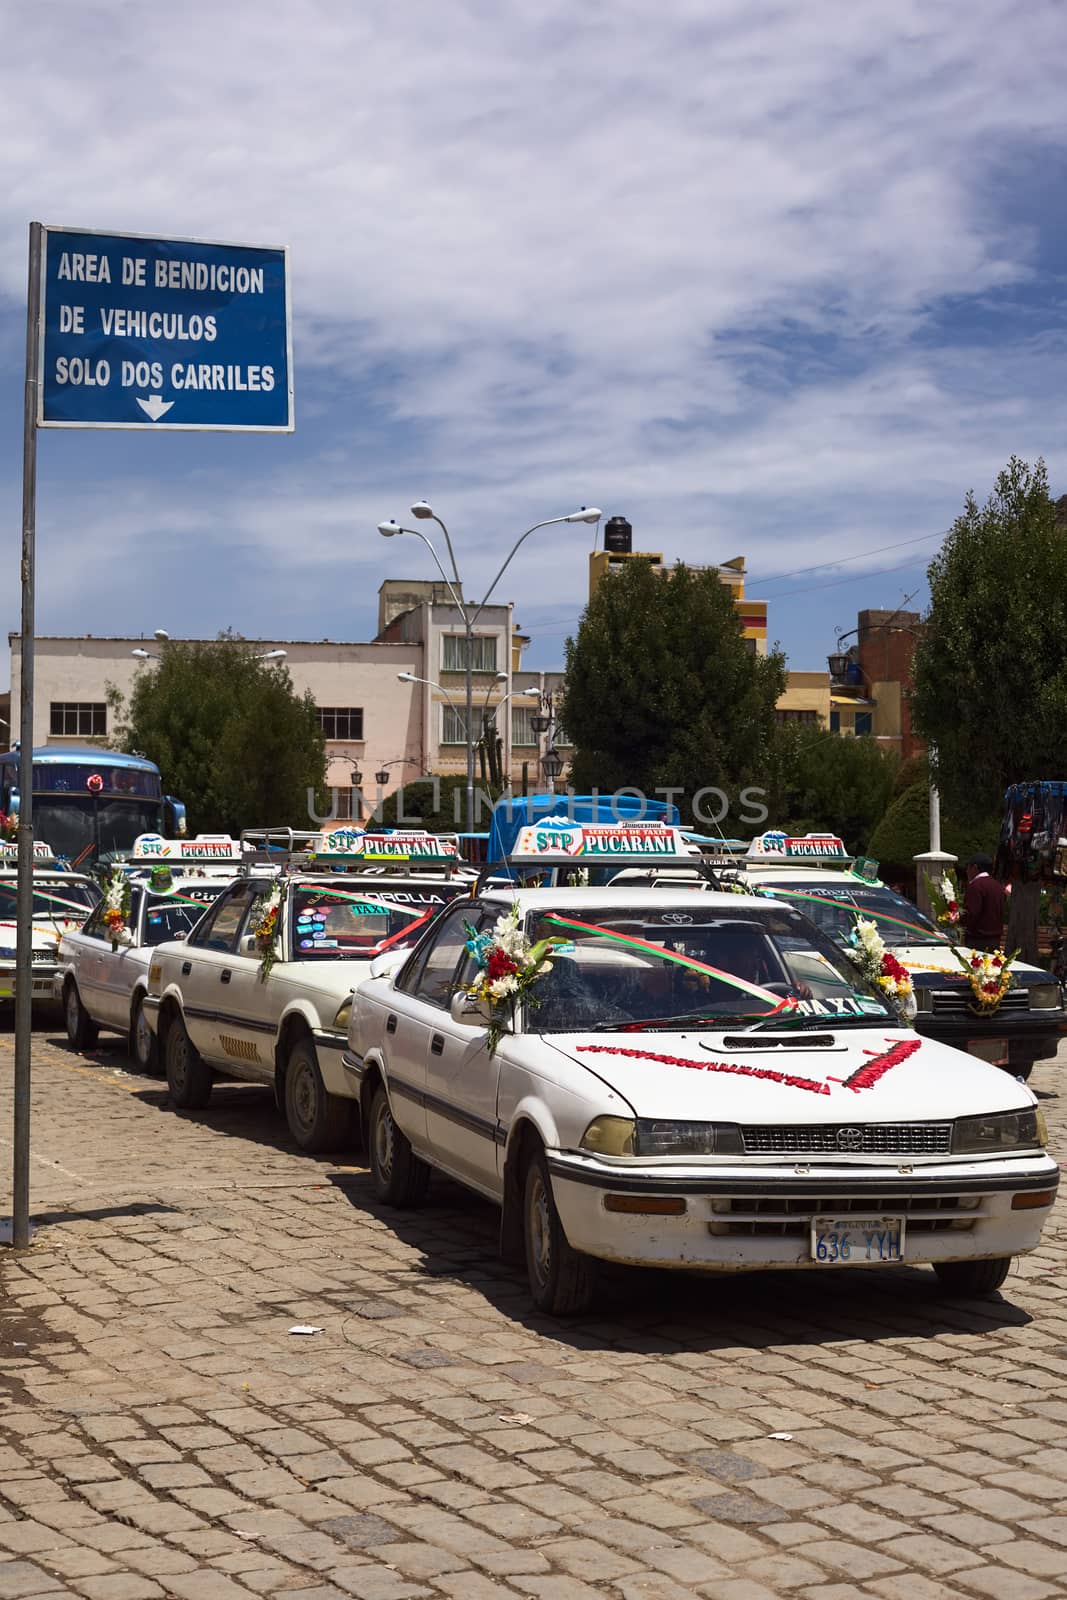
385, 966
465, 1009
248, 944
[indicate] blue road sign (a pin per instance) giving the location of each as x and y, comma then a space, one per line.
163, 333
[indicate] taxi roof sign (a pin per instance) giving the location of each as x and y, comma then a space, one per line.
399, 846
776, 845
556, 842
42, 853
205, 847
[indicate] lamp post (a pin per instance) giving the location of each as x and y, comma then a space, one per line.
424, 511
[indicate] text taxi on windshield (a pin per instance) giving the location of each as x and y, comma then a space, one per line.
61, 900
701, 1081
260, 989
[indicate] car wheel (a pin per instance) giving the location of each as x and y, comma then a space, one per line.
317, 1119
400, 1177
188, 1079
82, 1031
144, 1047
562, 1280
973, 1279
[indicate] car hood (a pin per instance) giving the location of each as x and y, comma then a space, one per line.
931, 965
44, 935
859, 1075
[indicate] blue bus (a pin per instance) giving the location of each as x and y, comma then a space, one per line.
90, 804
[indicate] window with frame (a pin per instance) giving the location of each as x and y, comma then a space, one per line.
454, 652
84, 719
782, 717
341, 722
453, 730
521, 727
835, 722
431, 975
219, 930
864, 722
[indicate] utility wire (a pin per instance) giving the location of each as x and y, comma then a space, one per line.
841, 560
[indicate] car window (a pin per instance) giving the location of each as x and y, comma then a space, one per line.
834, 907
336, 919
431, 977
59, 899
93, 928
178, 911
219, 930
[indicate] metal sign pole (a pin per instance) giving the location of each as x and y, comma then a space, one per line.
20, 1215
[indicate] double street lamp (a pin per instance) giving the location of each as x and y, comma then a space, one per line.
422, 510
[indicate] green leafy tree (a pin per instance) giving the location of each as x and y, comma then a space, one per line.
834, 784
230, 734
904, 832
662, 691
431, 803
990, 671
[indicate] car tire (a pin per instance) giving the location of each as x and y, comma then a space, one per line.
317, 1119
562, 1279
82, 1031
972, 1279
400, 1178
144, 1046
188, 1079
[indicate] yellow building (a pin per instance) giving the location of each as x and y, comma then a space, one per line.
618, 539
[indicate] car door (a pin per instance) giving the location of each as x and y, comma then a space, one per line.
205, 969
113, 969
461, 1086
86, 947
423, 990
249, 1007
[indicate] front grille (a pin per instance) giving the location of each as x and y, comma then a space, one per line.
958, 1002
872, 1139
790, 1218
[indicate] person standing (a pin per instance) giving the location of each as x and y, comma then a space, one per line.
983, 906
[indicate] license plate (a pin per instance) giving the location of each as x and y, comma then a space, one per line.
994, 1051
856, 1241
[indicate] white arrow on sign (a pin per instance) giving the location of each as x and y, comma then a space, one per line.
155, 406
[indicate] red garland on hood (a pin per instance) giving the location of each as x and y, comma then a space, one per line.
737, 1068
865, 1077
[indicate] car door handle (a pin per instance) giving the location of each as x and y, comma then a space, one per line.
437, 1044
226, 975
187, 967
390, 1026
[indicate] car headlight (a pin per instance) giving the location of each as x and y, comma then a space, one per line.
344, 1012
1001, 1130
656, 1138
610, 1136
1044, 997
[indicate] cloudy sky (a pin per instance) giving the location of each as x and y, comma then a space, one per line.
778, 280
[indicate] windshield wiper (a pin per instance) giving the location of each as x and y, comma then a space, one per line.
806, 1019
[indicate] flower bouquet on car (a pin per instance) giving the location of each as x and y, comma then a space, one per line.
990, 976
265, 928
117, 907
509, 964
881, 968
944, 893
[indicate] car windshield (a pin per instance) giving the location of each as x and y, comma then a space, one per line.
54, 900
835, 907
339, 918
168, 915
623, 965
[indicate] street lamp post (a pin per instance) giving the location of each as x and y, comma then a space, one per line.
424, 511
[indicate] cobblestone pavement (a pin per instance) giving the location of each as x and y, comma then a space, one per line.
162, 1432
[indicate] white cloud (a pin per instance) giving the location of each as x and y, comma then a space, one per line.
546, 254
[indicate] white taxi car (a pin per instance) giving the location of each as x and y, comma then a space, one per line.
270, 1005
102, 983
699, 1081
816, 874
61, 901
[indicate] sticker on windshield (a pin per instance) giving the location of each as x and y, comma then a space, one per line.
870, 1007
307, 944
839, 1005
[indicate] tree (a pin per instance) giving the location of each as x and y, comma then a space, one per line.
990, 670
662, 691
230, 735
904, 833
435, 804
827, 783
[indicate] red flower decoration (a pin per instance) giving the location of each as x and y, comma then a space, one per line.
998, 961
990, 987
499, 965
891, 968
976, 962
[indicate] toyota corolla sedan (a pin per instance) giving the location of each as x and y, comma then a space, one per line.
700, 1082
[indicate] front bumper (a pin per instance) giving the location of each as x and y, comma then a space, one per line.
43, 975
747, 1218
1029, 1036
